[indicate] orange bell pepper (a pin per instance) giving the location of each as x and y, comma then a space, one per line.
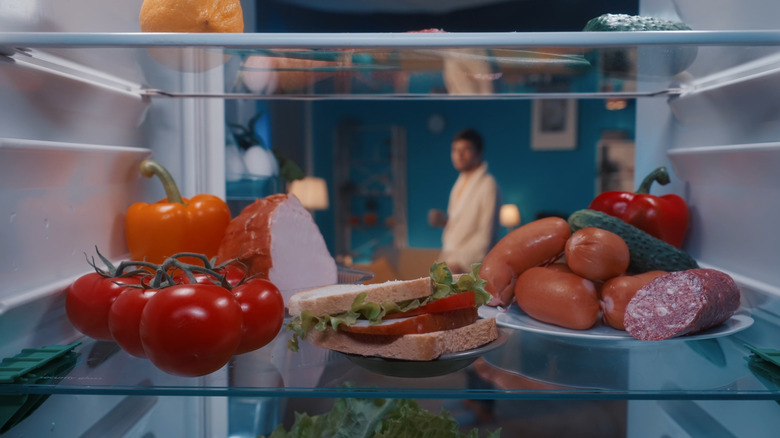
174, 224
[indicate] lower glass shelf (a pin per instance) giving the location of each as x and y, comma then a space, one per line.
528, 366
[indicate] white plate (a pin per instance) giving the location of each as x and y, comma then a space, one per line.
515, 318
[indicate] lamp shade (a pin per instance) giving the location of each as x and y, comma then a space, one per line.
311, 191
509, 216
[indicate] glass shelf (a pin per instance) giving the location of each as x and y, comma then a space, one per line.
511, 65
527, 366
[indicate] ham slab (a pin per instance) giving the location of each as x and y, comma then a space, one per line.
277, 238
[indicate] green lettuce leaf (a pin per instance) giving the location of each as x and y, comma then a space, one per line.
376, 418
445, 285
349, 418
411, 421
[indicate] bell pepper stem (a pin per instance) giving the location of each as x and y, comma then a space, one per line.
660, 175
151, 168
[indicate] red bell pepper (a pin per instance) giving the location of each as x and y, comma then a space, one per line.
664, 217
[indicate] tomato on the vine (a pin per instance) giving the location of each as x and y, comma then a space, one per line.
191, 329
233, 273
124, 319
89, 299
262, 305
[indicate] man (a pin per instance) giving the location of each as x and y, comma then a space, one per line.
471, 222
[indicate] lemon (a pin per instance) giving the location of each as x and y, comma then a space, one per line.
191, 16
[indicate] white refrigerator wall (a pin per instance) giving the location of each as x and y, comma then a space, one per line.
73, 131
721, 138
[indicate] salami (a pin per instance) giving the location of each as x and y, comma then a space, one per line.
681, 303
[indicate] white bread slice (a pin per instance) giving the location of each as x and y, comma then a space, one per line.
338, 298
427, 346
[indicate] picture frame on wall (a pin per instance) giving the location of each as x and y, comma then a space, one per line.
554, 124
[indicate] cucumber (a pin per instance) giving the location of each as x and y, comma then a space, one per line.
663, 61
631, 23
647, 252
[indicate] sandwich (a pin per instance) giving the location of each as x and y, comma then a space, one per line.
416, 320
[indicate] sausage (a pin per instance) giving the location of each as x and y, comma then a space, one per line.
560, 267
618, 291
533, 244
597, 254
556, 297
681, 303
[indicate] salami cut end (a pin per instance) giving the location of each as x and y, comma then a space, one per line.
681, 303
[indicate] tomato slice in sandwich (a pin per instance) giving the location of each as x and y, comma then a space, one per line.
462, 300
417, 324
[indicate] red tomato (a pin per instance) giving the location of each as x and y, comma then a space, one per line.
233, 274
425, 323
453, 302
263, 308
89, 299
191, 329
124, 319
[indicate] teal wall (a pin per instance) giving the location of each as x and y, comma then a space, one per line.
539, 182
536, 181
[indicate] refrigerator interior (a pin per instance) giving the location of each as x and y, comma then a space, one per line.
82, 112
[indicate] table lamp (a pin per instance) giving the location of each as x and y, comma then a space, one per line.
509, 216
312, 192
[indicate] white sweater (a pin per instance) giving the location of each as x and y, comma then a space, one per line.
472, 224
